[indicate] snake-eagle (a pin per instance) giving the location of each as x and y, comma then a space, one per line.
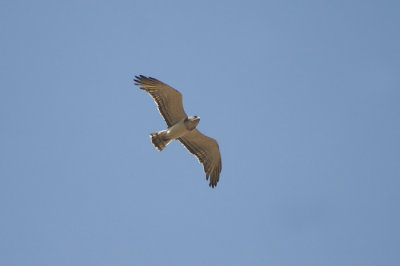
181, 127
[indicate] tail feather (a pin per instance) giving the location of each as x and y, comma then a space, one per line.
159, 140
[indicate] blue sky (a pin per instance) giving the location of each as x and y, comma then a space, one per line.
302, 96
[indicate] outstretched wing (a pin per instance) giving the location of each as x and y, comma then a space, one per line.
206, 149
168, 100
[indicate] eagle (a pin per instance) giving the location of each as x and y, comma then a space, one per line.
181, 127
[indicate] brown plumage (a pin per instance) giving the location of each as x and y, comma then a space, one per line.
181, 127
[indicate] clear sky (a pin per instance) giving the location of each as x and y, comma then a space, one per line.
302, 96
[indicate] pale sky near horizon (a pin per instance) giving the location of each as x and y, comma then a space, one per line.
302, 96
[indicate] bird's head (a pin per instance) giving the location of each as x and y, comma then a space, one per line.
192, 121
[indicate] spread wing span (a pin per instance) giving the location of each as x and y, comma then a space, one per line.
168, 100
206, 150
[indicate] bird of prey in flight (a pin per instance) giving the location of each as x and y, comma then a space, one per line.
181, 127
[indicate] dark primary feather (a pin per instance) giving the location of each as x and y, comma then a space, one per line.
168, 100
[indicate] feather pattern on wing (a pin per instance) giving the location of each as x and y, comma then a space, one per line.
168, 100
206, 150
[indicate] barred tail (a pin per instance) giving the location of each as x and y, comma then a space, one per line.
159, 140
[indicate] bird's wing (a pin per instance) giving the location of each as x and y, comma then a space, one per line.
206, 149
168, 100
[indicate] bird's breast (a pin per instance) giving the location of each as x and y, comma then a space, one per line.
178, 130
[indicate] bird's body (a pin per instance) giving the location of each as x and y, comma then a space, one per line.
162, 138
181, 127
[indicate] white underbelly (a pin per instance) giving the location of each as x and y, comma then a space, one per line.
177, 130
